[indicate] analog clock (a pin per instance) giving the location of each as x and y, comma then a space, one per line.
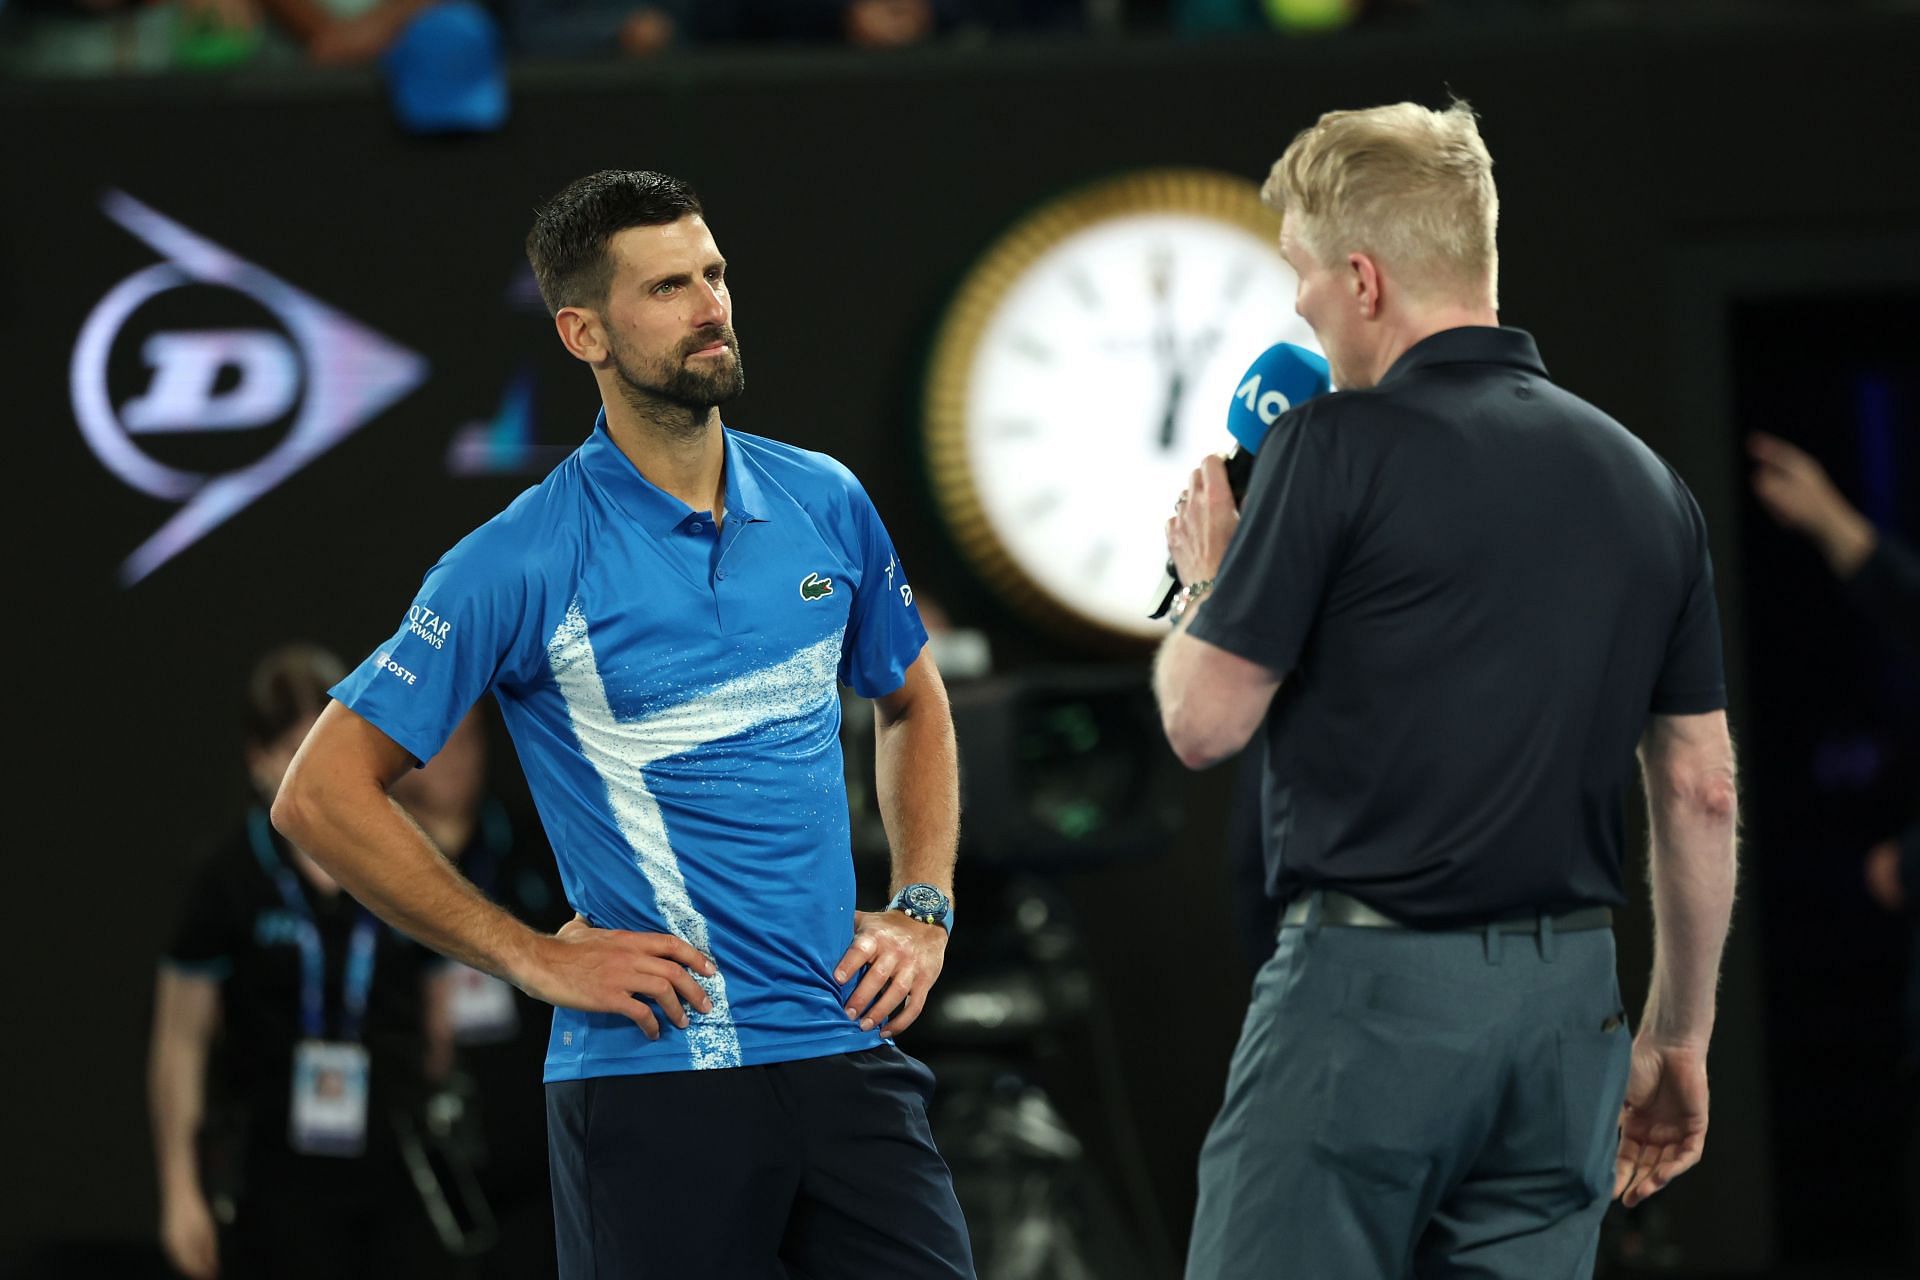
1082, 371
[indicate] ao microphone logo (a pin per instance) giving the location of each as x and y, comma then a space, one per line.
1269, 406
281, 363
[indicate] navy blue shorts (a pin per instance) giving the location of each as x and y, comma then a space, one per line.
807, 1170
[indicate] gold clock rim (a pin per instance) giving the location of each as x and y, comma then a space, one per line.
1206, 192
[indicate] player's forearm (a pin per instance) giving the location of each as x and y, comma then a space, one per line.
367, 843
1693, 869
917, 782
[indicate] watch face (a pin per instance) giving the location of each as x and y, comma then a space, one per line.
1093, 380
925, 899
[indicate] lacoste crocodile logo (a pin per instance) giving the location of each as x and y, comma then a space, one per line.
814, 587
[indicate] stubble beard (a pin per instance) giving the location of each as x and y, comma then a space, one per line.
676, 398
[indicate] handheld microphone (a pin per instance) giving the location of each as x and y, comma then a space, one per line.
1284, 375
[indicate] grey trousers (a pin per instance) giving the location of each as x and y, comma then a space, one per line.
1408, 1104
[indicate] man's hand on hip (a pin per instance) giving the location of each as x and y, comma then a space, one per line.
1663, 1125
903, 959
614, 971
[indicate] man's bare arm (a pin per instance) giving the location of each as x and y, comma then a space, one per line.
186, 1013
1211, 701
334, 806
917, 780
1693, 807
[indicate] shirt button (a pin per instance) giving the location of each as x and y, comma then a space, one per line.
721, 574
696, 526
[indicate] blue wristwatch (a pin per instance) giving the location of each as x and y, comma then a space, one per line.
924, 903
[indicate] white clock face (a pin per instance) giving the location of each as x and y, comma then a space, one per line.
1099, 382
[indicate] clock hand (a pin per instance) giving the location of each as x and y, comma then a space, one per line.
1160, 284
1166, 344
1177, 383
1169, 423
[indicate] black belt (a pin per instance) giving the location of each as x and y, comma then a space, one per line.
1344, 912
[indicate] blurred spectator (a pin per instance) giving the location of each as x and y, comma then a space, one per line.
644, 28
500, 1032
1880, 575
108, 37
446, 70
311, 1015
1306, 17
1200, 16
339, 32
887, 24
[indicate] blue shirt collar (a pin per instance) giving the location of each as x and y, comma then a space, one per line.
656, 510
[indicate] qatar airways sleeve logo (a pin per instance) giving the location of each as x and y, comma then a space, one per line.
149, 381
429, 626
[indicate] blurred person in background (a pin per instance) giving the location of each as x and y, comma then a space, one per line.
284, 1003
644, 28
1458, 599
340, 32
1311, 17
102, 37
498, 1033
1879, 574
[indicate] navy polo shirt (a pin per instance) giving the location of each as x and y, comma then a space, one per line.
1477, 588
672, 692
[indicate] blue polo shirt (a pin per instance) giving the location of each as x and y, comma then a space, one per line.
672, 691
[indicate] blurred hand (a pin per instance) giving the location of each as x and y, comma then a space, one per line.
1663, 1125
1204, 518
1796, 491
614, 971
187, 1234
645, 33
1883, 876
888, 24
903, 959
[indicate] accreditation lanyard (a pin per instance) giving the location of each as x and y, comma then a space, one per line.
481, 1006
313, 957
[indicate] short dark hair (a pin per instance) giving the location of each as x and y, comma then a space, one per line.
289, 687
568, 243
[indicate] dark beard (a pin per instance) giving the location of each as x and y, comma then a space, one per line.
674, 397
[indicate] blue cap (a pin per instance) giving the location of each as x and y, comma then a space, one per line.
446, 72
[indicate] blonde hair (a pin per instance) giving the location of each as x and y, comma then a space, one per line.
1410, 187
